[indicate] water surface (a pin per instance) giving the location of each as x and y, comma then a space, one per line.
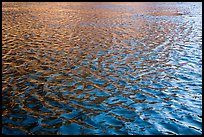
102, 68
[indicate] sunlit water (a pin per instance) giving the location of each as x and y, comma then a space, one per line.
102, 68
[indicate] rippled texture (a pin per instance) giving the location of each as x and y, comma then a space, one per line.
102, 68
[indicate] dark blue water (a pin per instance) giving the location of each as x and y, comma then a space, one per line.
102, 68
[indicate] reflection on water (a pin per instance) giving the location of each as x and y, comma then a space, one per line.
101, 68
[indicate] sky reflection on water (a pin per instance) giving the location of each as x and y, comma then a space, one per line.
102, 68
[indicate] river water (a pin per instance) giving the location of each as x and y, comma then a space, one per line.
102, 68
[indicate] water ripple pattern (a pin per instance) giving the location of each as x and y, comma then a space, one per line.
101, 68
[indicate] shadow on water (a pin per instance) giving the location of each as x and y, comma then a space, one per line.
101, 68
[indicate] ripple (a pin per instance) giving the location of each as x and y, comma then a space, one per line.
117, 69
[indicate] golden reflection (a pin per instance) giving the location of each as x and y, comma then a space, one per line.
87, 59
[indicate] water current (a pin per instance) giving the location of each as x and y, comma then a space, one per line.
102, 68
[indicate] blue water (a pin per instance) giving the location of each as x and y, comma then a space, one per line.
102, 68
